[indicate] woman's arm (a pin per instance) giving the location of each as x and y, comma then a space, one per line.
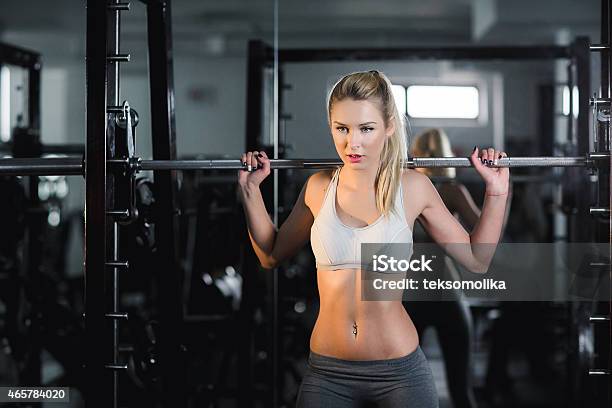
474, 250
459, 200
272, 246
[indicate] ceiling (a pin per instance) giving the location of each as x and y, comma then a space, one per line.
222, 27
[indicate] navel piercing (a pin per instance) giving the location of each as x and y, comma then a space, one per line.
355, 329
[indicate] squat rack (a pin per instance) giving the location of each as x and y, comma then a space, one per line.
103, 109
261, 57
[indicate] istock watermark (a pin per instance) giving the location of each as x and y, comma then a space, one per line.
545, 272
431, 284
385, 263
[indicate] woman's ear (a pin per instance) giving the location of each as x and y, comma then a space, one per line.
390, 129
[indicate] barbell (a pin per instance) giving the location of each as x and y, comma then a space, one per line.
66, 166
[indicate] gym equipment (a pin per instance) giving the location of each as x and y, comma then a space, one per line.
75, 166
102, 254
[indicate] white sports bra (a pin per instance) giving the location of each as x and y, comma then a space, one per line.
337, 246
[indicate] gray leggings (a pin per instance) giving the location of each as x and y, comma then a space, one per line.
404, 382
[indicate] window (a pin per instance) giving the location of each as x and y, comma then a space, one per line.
5, 104
443, 102
566, 101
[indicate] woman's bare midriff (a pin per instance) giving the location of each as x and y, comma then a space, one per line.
351, 329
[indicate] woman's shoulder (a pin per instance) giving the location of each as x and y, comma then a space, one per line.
412, 178
417, 189
320, 178
316, 186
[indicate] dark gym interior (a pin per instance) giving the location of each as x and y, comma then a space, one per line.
127, 276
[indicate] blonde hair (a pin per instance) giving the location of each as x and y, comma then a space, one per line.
433, 143
375, 86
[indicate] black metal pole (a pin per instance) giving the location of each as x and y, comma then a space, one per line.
34, 95
11, 55
36, 166
603, 334
113, 94
99, 380
605, 54
159, 24
256, 59
583, 224
602, 129
425, 53
68, 148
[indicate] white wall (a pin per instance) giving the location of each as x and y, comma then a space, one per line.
308, 132
214, 124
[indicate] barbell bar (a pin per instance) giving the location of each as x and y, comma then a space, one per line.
74, 166
413, 162
52, 166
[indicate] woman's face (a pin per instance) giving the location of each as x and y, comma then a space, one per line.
359, 132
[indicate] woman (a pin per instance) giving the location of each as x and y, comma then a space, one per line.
365, 352
451, 317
